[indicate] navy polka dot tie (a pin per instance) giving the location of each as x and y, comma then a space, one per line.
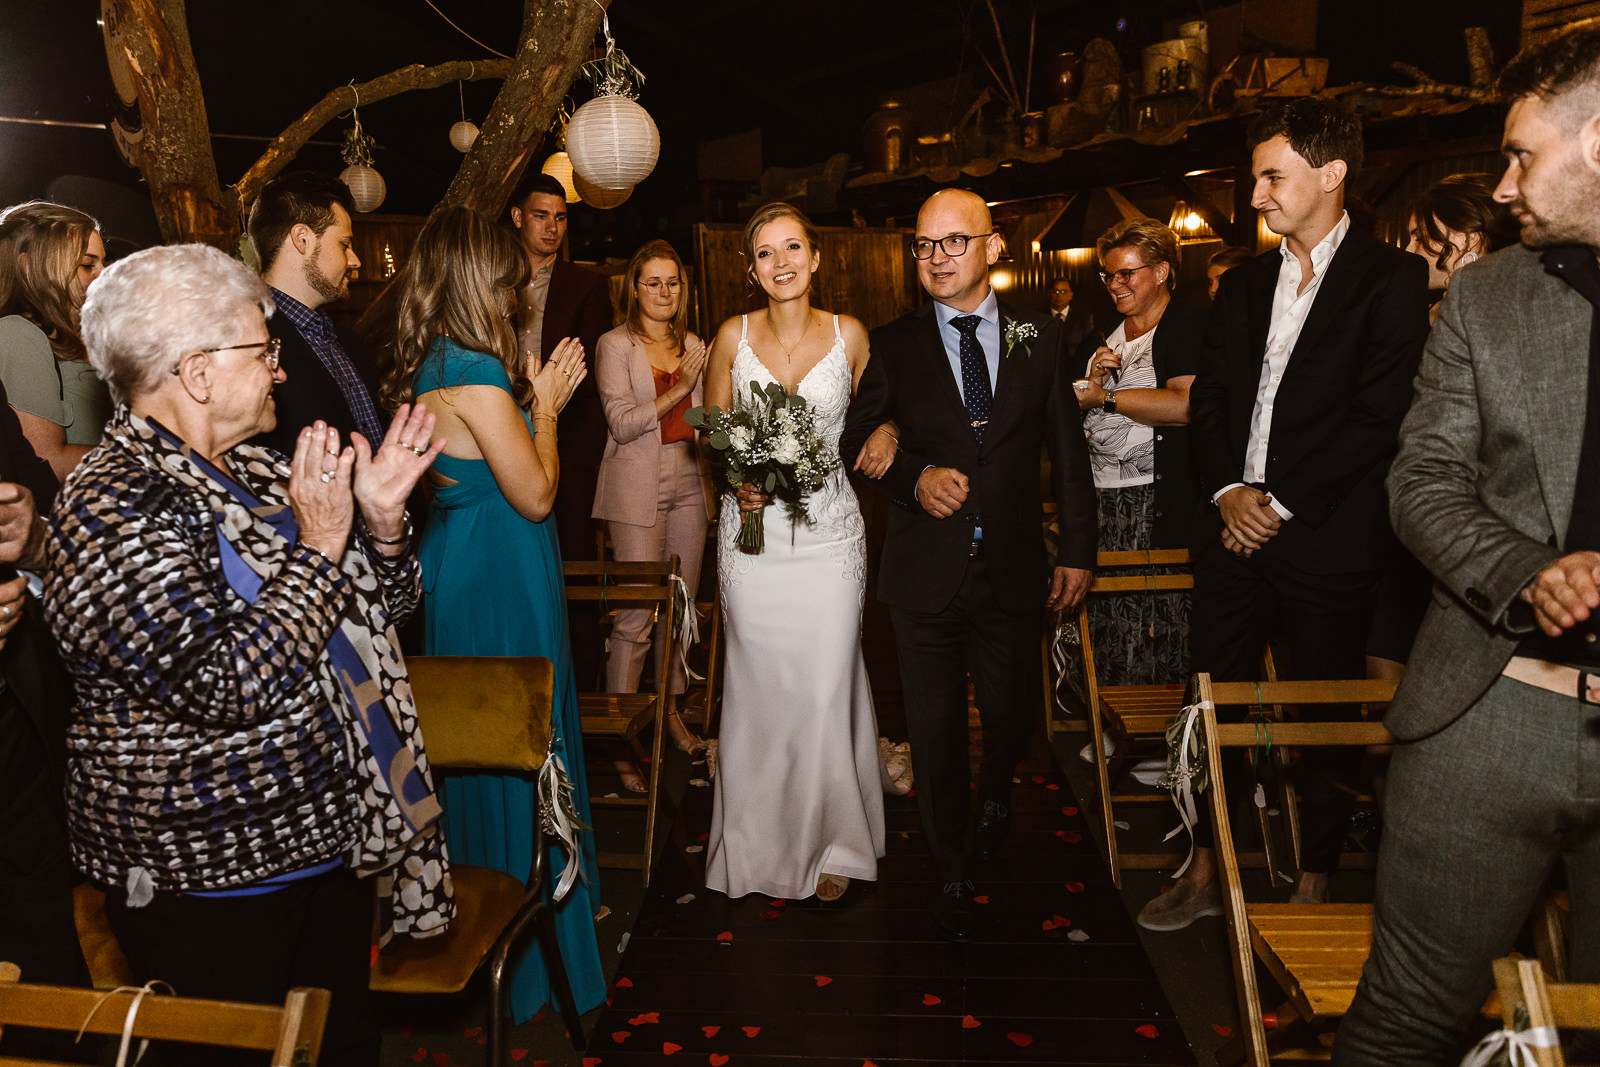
974, 374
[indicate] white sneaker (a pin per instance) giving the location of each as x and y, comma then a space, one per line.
1108, 744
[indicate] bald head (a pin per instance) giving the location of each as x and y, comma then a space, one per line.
958, 280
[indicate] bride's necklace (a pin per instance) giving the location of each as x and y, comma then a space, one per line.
788, 350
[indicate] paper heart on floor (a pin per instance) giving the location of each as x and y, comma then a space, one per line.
1020, 1040
778, 903
442, 1059
1222, 1031
1147, 1030
647, 1017
1051, 785
1077, 935
619, 1036
703, 837
750, 1031
624, 983
981, 900
717, 1059
930, 1000
668, 1048
1038, 779
710, 1031
1069, 811
726, 935
1074, 887
420, 1055
473, 1031
1055, 922
771, 913
822, 980
588, 1061
968, 1022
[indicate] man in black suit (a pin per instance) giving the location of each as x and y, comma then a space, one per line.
300, 225
36, 875
975, 389
1294, 417
563, 300
1076, 318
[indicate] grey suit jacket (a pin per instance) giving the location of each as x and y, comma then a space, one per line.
1482, 488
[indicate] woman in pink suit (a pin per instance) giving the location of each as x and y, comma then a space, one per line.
652, 487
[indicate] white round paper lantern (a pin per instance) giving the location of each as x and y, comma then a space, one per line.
366, 186
559, 167
613, 142
595, 196
462, 134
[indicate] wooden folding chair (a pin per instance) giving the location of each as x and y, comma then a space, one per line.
1550, 1005
491, 715
1314, 951
291, 1032
626, 716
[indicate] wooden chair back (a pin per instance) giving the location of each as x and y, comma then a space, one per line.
1549, 1005
625, 716
1315, 951
291, 1032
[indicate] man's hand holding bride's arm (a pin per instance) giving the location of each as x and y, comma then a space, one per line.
941, 491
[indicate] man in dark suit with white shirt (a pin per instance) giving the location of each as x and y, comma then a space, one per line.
1075, 317
301, 228
1294, 419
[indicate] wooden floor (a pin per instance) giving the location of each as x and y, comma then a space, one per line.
1057, 975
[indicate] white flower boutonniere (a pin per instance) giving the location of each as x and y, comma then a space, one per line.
1021, 333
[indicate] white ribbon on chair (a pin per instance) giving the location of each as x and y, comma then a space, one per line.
1516, 1044
1180, 778
688, 623
555, 789
139, 993
1060, 656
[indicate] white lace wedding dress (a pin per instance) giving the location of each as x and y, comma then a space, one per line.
798, 789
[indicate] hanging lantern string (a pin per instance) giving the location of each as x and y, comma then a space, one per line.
464, 33
615, 75
357, 145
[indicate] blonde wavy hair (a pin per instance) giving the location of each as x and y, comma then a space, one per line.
40, 246
460, 282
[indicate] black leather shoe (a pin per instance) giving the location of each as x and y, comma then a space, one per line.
993, 824
952, 911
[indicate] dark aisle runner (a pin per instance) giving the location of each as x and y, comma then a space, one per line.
1056, 977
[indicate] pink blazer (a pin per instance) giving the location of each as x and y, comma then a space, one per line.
630, 468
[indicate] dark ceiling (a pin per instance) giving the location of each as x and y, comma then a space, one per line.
806, 74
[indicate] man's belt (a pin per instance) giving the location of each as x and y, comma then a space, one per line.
1568, 681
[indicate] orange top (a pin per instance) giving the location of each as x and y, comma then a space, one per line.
673, 428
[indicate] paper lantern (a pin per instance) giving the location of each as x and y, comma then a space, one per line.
462, 134
559, 167
595, 196
613, 142
366, 186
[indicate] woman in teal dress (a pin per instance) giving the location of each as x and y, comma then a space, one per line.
491, 566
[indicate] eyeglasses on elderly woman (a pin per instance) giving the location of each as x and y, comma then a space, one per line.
268, 354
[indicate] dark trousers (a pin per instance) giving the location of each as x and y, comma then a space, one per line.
1322, 621
1475, 818
37, 931
315, 932
937, 652
576, 532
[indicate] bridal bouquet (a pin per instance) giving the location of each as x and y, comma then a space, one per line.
770, 440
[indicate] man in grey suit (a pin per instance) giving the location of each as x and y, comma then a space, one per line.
1497, 490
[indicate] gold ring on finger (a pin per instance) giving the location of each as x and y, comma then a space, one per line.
416, 450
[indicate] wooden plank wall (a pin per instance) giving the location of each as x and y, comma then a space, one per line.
1542, 18
866, 273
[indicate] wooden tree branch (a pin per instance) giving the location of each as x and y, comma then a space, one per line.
557, 36
1426, 86
287, 144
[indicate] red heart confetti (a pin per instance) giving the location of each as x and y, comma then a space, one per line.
1071, 837
442, 1059
1147, 1030
822, 980
771, 913
473, 1031
751, 1031
374, 962
778, 903
1074, 887
1052, 785
868, 1063
1069, 811
703, 837
930, 1000
538, 1017
420, 1055
1020, 1040
608, 1002
1055, 922
1222, 1031
911, 792
1038, 779
588, 1061
968, 1022
726, 935
619, 1036
647, 1017
710, 1031
717, 1059
483, 1039
981, 900
668, 1048
624, 983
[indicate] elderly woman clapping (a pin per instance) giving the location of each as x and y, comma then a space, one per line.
244, 754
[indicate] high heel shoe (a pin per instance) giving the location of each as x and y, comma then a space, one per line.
632, 780
682, 737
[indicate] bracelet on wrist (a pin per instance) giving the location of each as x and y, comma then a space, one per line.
405, 532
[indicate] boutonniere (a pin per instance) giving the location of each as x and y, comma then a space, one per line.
1021, 333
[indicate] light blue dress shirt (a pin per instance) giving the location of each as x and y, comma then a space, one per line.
988, 337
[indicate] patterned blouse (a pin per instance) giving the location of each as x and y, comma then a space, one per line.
203, 749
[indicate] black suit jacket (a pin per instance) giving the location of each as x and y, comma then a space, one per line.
908, 379
578, 304
308, 392
1078, 324
1336, 419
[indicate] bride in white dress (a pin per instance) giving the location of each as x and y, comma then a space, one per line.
798, 804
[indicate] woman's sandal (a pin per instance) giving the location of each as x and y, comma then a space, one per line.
632, 780
830, 887
682, 736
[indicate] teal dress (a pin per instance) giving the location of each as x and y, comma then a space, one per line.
492, 586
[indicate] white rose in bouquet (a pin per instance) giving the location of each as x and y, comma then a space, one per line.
739, 437
787, 450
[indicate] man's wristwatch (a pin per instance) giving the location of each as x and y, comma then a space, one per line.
1109, 405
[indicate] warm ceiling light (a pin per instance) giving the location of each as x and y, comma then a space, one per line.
1189, 225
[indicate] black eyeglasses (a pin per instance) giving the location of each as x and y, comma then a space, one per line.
1121, 276
953, 245
268, 355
